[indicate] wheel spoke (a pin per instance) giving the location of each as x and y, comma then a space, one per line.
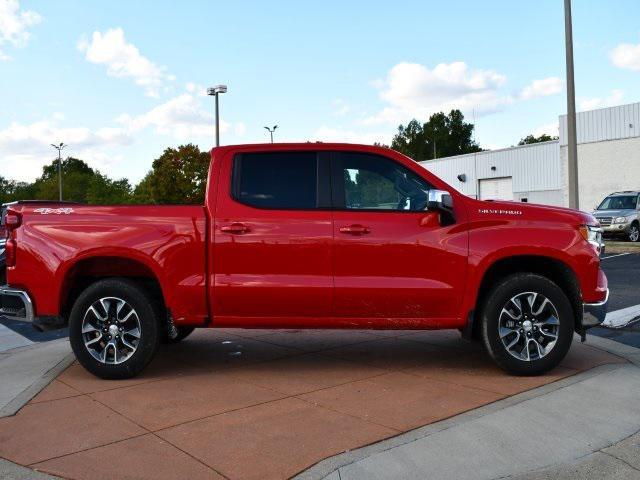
93, 341
134, 332
127, 316
526, 349
504, 331
96, 314
513, 317
551, 335
514, 341
89, 328
540, 309
126, 343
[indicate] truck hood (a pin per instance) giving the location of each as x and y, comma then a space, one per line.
531, 211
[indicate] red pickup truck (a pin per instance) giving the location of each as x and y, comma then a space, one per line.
310, 235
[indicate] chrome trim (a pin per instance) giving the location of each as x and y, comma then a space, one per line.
593, 314
7, 291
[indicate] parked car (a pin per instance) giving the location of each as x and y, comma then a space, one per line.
309, 235
619, 215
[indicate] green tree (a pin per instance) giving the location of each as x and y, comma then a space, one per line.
104, 191
10, 190
80, 183
530, 139
444, 135
178, 176
76, 178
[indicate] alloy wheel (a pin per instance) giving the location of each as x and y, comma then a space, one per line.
634, 234
111, 330
529, 326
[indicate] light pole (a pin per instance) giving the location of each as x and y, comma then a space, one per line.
572, 142
59, 148
215, 91
271, 130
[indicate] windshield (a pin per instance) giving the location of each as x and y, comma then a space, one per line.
619, 202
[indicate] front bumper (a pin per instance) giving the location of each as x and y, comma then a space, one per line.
593, 314
15, 304
616, 229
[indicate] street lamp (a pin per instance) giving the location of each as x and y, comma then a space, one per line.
271, 130
214, 91
59, 148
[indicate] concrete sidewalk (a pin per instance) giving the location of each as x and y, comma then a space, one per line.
584, 427
26, 370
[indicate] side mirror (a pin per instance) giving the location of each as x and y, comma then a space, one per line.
442, 201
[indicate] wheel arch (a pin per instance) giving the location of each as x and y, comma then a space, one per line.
552, 268
85, 271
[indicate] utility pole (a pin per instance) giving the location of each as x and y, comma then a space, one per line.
572, 141
215, 91
271, 130
59, 148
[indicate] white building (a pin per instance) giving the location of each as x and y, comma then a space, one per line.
608, 161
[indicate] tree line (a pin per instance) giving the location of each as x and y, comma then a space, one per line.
179, 175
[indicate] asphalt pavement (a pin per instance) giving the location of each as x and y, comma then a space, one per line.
623, 273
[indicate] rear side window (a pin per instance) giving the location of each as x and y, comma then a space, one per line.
278, 180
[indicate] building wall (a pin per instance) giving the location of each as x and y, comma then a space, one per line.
603, 168
608, 161
536, 171
612, 123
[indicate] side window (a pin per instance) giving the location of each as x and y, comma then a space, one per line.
373, 182
278, 180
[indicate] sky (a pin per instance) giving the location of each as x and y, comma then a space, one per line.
120, 81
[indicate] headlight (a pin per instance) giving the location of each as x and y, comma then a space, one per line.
620, 220
593, 235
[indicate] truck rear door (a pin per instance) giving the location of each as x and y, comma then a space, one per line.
273, 239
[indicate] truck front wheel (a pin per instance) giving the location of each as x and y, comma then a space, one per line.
527, 324
113, 328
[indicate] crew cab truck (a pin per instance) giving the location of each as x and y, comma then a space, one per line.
312, 235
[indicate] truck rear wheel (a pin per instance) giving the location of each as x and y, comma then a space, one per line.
527, 324
113, 328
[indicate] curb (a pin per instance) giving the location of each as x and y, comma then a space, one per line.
32, 390
330, 465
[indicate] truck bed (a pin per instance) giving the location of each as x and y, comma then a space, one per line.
55, 242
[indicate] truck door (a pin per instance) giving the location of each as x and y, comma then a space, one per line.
393, 259
272, 240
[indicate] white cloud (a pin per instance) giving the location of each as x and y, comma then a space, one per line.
240, 129
14, 25
124, 60
412, 90
182, 117
542, 88
24, 149
551, 129
615, 98
626, 55
341, 108
328, 134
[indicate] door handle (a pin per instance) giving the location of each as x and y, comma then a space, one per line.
235, 228
355, 230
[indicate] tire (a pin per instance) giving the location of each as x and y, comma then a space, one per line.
634, 232
115, 344
534, 326
177, 336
